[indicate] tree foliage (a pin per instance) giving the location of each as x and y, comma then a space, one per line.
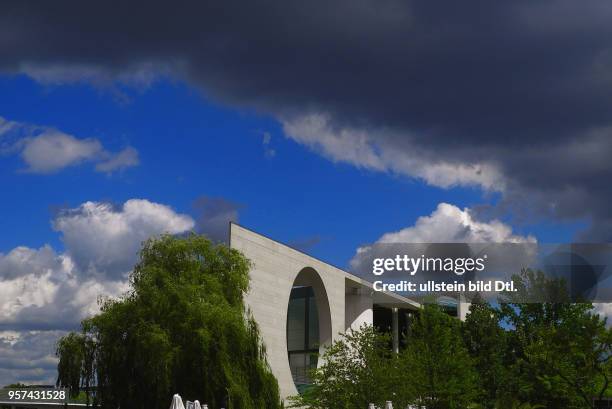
560, 350
435, 365
357, 369
486, 341
182, 328
434, 370
518, 354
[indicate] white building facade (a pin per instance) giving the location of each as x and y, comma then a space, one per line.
302, 304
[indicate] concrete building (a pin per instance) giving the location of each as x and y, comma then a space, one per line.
302, 304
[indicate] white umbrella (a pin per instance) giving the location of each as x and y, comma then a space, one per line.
196, 405
177, 402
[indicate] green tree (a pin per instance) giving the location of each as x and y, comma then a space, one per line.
76, 352
486, 343
359, 368
560, 350
182, 328
436, 366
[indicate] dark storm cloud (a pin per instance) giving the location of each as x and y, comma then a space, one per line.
525, 86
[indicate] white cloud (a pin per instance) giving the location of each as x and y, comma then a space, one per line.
447, 224
604, 310
53, 302
46, 150
28, 357
53, 150
24, 260
24, 292
40, 288
119, 161
358, 147
103, 239
450, 224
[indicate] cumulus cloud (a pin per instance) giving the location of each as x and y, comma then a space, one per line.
52, 302
39, 306
24, 260
26, 292
101, 238
47, 150
449, 224
28, 357
43, 289
44, 293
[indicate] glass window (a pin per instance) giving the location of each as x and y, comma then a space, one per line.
296, 329
313, 325
302, 334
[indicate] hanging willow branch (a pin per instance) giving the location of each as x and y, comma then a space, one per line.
182, 329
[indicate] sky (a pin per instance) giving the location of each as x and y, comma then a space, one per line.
326, 126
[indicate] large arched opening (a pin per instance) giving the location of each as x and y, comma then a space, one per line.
308, 325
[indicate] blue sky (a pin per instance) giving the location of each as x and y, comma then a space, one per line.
191, 147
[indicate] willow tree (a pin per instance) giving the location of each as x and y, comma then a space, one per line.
182, 328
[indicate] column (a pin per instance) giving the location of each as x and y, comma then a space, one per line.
395, 330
